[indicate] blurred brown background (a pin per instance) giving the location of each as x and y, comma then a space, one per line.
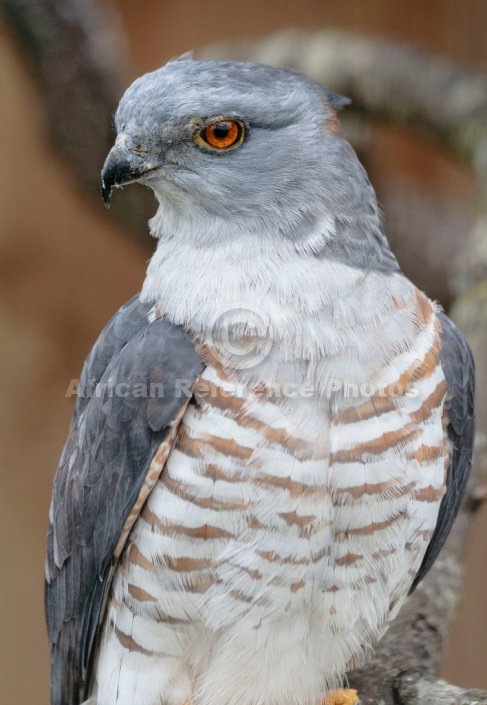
66, 265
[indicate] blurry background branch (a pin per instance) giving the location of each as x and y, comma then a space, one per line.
74, 54
75, 50
392, 81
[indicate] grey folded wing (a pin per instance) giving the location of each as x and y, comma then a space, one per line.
135, 381
459, 370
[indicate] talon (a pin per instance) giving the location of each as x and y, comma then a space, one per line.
341, 696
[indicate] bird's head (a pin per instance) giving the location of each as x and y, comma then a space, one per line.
232, 139
237, 147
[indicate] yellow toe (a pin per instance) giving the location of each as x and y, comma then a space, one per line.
341, 697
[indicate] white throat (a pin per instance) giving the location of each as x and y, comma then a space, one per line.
267, 288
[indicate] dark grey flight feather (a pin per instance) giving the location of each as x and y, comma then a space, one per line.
104, 463
458, 367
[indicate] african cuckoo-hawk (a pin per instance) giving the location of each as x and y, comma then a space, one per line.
272, 439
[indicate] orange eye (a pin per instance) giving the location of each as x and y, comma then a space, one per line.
222, 135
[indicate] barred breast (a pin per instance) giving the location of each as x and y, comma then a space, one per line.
273, 540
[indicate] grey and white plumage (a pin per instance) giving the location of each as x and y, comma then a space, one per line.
249, 548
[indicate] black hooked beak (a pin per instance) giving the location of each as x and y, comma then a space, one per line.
119, 169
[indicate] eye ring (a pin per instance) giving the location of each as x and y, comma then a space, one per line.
222, 135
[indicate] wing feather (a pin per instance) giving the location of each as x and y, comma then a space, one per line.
459, 370
109, 450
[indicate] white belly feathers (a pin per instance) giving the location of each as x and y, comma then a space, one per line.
272, 540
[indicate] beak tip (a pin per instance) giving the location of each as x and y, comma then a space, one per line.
119, 168
106, 193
